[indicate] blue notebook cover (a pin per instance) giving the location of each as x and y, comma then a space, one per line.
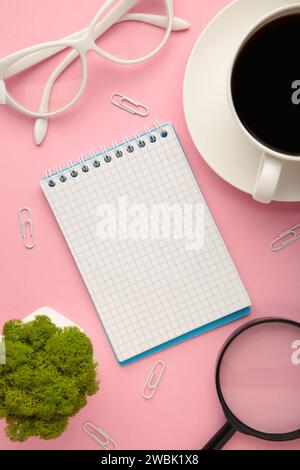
198, 331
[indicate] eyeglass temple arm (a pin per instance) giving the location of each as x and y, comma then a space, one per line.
41, 124
37, 57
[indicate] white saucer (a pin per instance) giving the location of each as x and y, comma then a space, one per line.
211, 124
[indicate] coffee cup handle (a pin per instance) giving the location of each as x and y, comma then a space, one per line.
267, 178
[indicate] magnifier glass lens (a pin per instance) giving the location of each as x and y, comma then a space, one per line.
260, 377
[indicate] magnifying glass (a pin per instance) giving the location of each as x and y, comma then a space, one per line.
258, 382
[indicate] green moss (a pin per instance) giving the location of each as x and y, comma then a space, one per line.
49, 373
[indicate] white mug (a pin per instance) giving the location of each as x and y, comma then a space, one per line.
271, 162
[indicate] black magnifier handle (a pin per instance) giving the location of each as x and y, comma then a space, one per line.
220, 438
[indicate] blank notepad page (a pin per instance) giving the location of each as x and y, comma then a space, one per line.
148, 289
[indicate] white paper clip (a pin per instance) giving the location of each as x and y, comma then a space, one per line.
153, 380
286, 238
28, 234
99, 436
138, 108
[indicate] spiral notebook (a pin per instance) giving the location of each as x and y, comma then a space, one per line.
150, 292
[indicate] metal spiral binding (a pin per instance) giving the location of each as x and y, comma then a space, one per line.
62, 176
95, 158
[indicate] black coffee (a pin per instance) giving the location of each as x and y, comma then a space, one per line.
266, 85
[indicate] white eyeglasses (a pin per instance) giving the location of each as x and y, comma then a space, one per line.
53, 87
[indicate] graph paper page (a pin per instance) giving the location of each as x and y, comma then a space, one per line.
146, 291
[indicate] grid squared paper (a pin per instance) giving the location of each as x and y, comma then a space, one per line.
146, 292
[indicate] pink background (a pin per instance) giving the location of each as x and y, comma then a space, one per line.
185, 411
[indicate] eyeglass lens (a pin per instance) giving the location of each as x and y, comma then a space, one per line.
133, 39
26, 82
